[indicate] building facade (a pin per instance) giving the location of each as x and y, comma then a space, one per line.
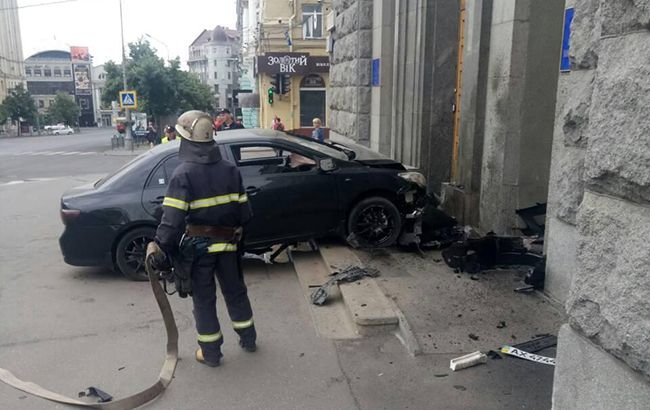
286, 42
11, 48
248, 13
393, 77
214, 57
102, 117
53, 71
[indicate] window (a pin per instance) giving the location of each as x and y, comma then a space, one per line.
41, 104
216, 75
228, 63
160, 177
229, 75
312, 21
67, 72
216, 88
57, 72
270, 159
216, 63
28, 71
47, 71
228, 51
37, 71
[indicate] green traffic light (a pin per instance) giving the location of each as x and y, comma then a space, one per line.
270, 95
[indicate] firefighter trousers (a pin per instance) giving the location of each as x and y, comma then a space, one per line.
226, 266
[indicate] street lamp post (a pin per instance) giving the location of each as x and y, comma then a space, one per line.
161, 42
128, 140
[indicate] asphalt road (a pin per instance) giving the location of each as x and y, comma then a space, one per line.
48, 156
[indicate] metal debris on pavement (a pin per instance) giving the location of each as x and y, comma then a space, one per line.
96, 392
537, 344
349, 274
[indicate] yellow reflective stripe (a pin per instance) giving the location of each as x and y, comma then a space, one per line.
222, 247
242, 325
217, 200
175, 203
210, 338
243, 198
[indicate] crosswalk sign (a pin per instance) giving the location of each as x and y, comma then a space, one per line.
128, 99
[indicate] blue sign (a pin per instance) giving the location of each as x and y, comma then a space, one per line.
376, 64
565, 62
128, 99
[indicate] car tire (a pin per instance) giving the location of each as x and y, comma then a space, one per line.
374, 222
130, 252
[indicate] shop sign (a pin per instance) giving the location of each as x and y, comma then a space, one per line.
292, 63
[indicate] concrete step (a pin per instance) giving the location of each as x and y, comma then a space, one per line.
331, 320
368, 306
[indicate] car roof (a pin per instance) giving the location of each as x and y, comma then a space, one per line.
236, 135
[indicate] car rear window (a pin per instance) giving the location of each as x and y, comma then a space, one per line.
122, 170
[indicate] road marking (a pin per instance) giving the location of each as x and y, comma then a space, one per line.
46, 153
22, 181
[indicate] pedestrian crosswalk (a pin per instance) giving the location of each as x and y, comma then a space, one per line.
47, 153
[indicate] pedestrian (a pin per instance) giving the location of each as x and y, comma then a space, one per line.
228, 122
277, 124
318, 133
170, 135
151, 134
204, 212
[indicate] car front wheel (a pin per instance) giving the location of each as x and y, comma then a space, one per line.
130, 253
374, 222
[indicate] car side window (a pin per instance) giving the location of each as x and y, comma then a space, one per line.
270, 159
162, 173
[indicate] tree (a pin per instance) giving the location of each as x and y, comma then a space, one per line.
19, 105
63, 109
161, 90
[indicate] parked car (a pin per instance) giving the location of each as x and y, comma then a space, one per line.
62, 130
299, 189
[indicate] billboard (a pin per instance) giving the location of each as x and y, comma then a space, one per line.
82, 79
79, 54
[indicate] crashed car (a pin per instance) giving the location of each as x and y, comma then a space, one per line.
299, 188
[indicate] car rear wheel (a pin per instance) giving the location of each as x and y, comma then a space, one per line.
374, 222
130, 253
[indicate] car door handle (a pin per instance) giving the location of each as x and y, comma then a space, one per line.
252, 191
158, 200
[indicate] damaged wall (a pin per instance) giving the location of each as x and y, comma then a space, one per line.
522, 75
600, 191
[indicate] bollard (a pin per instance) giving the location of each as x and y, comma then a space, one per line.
121, 141
113, 141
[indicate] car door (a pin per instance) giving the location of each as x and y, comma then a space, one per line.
290, 197
156, 185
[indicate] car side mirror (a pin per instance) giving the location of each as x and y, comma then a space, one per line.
327, 165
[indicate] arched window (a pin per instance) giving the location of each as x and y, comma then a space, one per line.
312, 81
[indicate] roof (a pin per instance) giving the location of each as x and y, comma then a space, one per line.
219, 35
52, 54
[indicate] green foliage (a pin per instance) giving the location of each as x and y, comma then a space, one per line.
19, 104
162, 90
63, 109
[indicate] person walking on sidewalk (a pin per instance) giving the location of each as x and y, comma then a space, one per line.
204, 210
151, 134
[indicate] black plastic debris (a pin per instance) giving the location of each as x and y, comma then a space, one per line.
530, 217
349, 274
537, 344
96, 392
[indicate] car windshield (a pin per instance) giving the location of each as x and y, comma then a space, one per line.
316, 146
122, 170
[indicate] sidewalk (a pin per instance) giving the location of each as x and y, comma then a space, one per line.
451, 314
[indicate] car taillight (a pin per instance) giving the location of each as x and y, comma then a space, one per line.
69, 215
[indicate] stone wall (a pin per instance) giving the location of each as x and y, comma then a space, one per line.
350, 92
600, 189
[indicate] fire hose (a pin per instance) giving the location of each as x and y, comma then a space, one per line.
135, 400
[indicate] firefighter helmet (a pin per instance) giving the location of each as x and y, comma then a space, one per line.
195, 126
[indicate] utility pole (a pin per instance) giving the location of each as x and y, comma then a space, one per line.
128, 140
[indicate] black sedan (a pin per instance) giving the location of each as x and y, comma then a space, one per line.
299, 189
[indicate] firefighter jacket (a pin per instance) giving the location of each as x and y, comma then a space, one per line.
203, 190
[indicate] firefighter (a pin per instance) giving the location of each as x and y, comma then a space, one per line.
204, 212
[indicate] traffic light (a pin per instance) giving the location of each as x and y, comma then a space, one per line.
275, 83
285, 83
269, 94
